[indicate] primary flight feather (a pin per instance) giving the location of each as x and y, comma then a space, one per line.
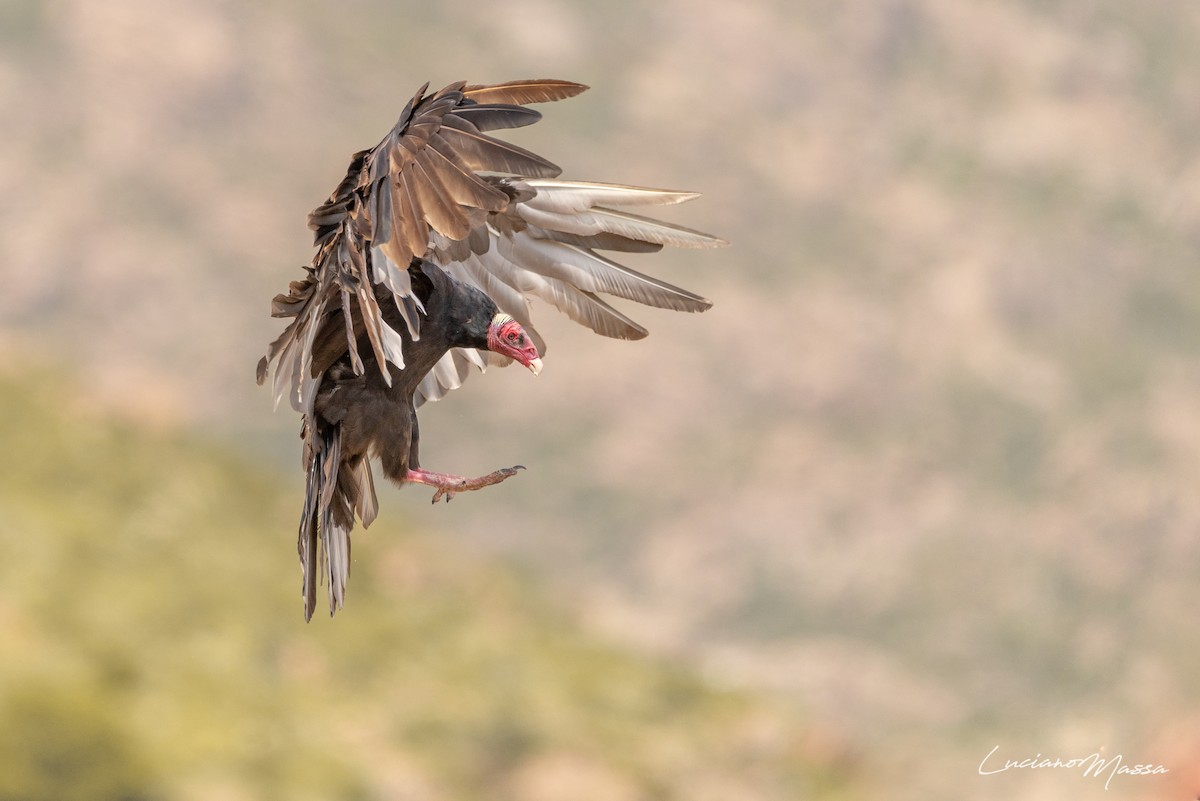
429, 252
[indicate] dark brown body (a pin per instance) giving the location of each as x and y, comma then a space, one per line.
381, 420
358, 416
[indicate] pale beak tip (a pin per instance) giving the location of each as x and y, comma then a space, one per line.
535, 366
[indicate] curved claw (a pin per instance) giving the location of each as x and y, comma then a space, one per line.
443, 492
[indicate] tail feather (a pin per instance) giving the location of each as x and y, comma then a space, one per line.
336, 489
307, 545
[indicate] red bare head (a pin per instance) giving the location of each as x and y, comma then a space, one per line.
508, 338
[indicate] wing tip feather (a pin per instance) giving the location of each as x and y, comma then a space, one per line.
520, 92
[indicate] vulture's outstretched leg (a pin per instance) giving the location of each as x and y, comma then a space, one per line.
449, 485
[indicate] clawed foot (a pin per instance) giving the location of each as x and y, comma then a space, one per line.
448, 486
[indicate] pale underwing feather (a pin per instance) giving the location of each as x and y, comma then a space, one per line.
592, 272
567, 196
367, 503
400, 283
598, 241
597, 220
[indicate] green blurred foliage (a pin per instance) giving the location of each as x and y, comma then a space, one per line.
149, 602
60, 741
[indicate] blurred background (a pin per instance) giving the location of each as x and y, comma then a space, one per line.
922, 484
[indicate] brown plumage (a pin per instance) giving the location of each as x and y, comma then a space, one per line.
428, 253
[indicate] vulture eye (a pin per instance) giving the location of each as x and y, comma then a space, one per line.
513, 337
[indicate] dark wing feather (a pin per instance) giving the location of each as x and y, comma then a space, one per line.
494, 117
481, 152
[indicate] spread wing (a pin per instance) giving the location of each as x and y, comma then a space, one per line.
488, 212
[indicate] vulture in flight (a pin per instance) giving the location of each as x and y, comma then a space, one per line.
428, 254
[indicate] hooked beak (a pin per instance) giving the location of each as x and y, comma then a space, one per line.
508, 338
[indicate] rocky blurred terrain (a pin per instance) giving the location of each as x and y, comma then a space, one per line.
927, 467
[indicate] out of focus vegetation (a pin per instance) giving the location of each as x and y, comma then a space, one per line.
155, 649
929, 466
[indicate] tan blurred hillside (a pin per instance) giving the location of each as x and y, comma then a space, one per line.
930, 462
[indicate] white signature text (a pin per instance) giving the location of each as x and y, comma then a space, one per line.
1093, 765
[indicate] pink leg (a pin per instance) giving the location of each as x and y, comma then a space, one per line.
449, 485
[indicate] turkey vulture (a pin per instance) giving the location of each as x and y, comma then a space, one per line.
428, 253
